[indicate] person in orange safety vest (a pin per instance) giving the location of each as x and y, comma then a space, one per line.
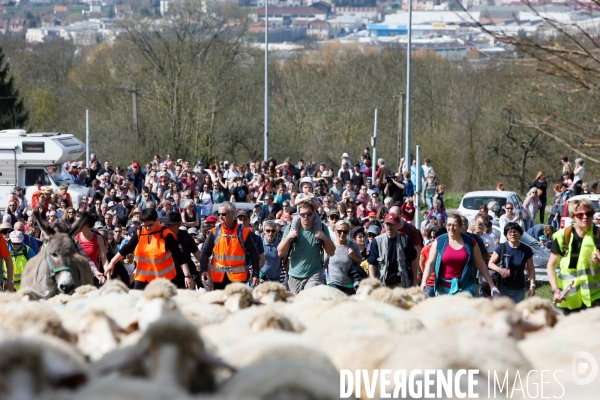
228, 245
156, 253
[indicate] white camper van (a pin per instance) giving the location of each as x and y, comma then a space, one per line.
26, 158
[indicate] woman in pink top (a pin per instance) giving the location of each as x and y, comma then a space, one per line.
456, 257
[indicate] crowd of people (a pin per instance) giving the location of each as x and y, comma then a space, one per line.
302, 224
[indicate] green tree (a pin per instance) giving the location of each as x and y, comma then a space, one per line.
12, 113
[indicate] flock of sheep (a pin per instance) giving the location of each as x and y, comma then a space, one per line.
238, 343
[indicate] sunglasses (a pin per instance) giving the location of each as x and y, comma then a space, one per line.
222, 214
342, 232
306, 214
334, 217
270, 231
116, 231
588, 214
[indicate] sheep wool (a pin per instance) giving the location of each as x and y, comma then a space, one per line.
237, 296
270, 292
538, 311
113, 286
22, 374
295, 379
320, 292
31, 318
390, 296
366, 286
160, 288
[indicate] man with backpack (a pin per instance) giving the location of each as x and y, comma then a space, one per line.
228, 245
306, 260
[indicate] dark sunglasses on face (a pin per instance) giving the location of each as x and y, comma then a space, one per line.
342, 232
270, 231
588, 214
334, 217
306, 214
222, 214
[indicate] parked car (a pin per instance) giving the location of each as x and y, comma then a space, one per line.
540, 253
471, 201
566, 219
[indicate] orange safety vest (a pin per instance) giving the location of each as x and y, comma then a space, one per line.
152, 257
229, 254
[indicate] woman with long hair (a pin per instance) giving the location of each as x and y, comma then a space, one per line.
541, 185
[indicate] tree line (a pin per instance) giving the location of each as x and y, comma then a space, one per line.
199, 86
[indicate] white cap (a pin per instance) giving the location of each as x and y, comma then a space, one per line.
16, 237
345, 155
6, 218
111, 204
307, 179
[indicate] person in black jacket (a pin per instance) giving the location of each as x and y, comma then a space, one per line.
270, 207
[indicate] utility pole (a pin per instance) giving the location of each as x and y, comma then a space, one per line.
400, 126
266, 79
87, 138
407, 158
135, 121
374, 145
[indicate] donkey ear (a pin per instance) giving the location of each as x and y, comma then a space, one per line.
44, 226
80, 223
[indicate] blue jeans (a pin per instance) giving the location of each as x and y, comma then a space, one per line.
517, 295
429, 202
430, 292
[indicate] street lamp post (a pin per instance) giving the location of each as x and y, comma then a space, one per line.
266, 79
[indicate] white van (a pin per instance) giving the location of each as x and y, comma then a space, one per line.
27, 158
471, 201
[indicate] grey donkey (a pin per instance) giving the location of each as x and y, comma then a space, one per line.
58, 268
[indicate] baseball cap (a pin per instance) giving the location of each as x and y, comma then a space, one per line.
16, 237
333, 212
242, 213
392, 218
597, 215
345, 155
111, 204
201, 160
192, 231
211, 219
374, 229
135, 164
372, 214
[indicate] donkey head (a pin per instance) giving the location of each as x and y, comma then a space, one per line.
60, 251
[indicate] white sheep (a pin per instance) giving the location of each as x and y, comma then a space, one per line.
272, 345
28, 366
237, 296
31, 318
538, 311
170, 353
498, 315
390, 296
271, 292
97, 334
366, 286
454, 347
379, 316
203, 315
319, 292
113, 286
283, 379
